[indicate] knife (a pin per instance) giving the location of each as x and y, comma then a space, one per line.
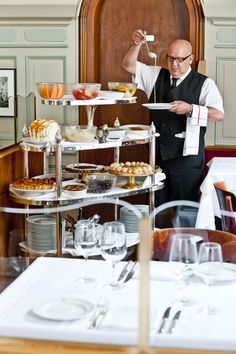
164, 319
174, 321
124, 271
130, 273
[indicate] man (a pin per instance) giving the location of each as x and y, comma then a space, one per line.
194, 100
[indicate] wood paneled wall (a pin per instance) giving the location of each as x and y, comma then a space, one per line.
12, 168
105, 29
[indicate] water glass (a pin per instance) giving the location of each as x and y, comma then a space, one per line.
210, 264
113, 245
183, 257
85, 240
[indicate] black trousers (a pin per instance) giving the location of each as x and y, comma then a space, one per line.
184, 176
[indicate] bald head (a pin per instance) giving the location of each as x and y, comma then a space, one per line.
179, 57
180, 45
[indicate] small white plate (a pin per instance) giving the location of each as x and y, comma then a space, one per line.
226, 276
63, 309
158, 105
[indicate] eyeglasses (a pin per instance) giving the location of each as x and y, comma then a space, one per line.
178, 60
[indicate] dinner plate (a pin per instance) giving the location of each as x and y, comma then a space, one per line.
227, 275
63, 309
42, 220
158, 105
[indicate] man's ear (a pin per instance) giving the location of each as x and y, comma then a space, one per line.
191, 59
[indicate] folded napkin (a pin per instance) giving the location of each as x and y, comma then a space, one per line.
121, 318
198, 119
124, 317
159, 176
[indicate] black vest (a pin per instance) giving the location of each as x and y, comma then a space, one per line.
169, 124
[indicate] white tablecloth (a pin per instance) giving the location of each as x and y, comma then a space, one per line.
55, 278
221, 169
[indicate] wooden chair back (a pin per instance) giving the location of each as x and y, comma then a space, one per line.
227, 201
162, 240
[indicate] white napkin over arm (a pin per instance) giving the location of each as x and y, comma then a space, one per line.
193, 124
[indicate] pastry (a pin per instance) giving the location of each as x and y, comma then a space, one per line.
43, 130
130, 168
33, 184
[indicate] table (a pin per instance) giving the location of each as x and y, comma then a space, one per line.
221, 169
55, 277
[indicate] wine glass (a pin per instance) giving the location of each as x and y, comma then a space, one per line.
182, 257
85, 240
113, 245
210, 264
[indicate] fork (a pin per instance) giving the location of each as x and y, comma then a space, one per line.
101, 311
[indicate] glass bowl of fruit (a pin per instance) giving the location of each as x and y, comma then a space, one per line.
100, 182
51, 90
85, 91
128, 88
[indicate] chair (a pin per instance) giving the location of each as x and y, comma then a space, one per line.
227, 201
162, 239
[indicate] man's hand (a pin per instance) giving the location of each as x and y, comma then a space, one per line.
138, 37
180, 107
130, 59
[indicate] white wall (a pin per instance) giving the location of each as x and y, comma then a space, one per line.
220, 56
38, 39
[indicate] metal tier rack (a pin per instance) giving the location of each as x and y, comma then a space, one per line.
62, 146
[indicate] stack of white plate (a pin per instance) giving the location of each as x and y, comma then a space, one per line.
41, 232
130, 220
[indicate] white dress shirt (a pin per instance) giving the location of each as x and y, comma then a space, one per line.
146, 76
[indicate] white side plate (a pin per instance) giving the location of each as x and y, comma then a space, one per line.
63, 309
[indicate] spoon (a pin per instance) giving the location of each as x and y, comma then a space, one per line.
150, 54
95, 218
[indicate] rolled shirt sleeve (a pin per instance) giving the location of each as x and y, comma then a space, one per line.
146, 76
210, 95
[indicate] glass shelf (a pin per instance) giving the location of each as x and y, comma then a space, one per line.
70, 146
115, 193
90, 105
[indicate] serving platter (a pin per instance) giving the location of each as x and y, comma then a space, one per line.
131, 183
83, 169
30, 192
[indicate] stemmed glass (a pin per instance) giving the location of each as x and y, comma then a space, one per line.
182, 257
113, 246
210, 264
85, 240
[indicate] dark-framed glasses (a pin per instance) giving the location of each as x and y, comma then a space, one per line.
179, 60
